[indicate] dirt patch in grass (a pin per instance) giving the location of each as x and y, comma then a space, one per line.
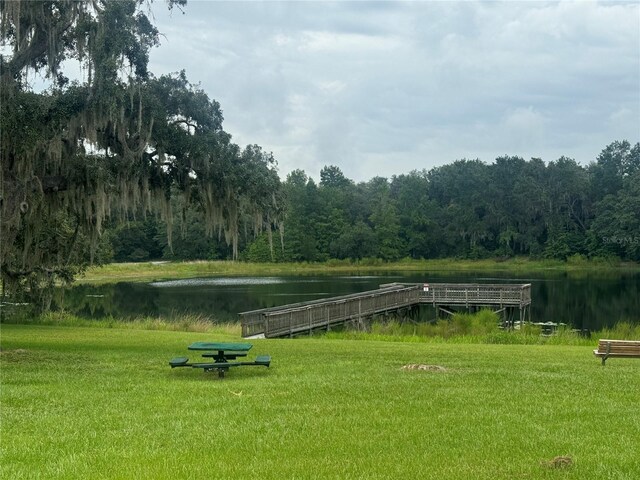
17, 351
559, 462
421, 366
14, 355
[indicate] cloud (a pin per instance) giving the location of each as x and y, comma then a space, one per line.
525, 127
382, 88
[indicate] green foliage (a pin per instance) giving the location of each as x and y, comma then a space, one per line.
136, 241
465, 210
82, 156
472, 210
185, 323
616, 228
480, 328
355, 243
460, 325
622, 331
262, 251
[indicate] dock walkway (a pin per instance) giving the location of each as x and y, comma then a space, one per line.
304, 317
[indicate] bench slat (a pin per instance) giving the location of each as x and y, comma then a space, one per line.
621, 342
622, 352
621, 347
604, 354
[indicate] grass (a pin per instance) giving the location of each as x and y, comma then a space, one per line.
117, 272
482, 327
183, 323
97, 402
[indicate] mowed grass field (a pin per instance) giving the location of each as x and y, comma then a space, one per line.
96, 403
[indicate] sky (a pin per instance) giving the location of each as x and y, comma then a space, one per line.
385, 88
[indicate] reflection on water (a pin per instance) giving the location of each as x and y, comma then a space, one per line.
364, 277
586, 300
196, 282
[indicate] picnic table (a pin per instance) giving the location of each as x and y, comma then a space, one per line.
222, 356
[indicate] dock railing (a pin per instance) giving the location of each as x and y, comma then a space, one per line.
476, 294
306, 316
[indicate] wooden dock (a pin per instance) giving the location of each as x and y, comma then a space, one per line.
501, 298
304, 317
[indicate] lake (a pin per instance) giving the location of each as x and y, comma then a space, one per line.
585, 300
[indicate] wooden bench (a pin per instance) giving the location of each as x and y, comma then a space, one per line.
617, 348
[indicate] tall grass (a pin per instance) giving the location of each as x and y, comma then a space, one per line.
482, 327
461, 324
622, 331
182, 323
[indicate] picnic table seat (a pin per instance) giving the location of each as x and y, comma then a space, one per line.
263, 360
178, 362
222, 367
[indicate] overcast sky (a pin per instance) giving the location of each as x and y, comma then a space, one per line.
383, 88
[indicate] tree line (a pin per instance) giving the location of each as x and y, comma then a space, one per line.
466, 209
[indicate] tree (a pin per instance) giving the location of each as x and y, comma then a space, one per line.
618, 160
616, 227
336, 209
136, 241
332, 177
567, 212
116, 145
357, 242
528, 205
301, 196
418, 215
385, 220
462, 191
615, 192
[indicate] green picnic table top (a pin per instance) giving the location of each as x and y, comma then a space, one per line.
221, 346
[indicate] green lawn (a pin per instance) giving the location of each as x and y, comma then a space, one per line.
95, 403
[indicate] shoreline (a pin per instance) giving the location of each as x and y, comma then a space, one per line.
164, 270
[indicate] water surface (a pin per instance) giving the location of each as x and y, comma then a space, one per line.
583, 300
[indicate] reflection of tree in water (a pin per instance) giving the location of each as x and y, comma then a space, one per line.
214, 304
590, 302
123, 300
136, 300
616, 301
130, 300
87, 301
